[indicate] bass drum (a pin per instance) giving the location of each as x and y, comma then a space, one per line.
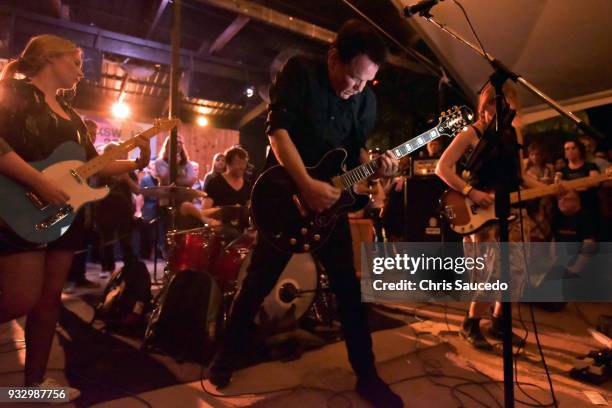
297, 286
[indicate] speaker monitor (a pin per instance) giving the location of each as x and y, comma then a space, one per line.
423, 214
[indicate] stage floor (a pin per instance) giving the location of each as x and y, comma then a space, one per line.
416, 345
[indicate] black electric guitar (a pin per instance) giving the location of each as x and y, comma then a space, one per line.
283, 218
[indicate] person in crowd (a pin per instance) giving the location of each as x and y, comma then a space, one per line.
34, 121
377, 189
559, 164
115, 218
393, 210
576, 216
186, 176
228, 189
198, 185
482, 176
536, 165
434, 149
151, 227
590, 147
186, 169
217, 168
539, 210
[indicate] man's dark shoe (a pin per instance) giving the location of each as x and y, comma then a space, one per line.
378, 393
496, 331
470, 331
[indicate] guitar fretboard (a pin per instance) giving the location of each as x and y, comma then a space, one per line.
532, 193
364, 171
96, 164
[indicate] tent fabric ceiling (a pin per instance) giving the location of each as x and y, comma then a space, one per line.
562, 47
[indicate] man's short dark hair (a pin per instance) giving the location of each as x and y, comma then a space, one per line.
235, 152
355, 38
579, 145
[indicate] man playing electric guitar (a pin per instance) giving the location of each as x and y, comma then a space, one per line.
317, 106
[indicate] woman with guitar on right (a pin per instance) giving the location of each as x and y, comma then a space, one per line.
476, 187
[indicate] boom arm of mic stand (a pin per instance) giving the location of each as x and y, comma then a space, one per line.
497, 64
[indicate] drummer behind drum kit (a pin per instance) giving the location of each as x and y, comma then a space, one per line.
222, 253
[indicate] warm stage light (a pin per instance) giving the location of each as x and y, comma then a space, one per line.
202, 121
249, 92
120, 110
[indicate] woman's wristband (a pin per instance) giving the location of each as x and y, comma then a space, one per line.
466, 189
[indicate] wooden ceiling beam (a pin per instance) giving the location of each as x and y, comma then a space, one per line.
230, 32
277, 19
161, 7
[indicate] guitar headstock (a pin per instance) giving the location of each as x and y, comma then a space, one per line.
455, 120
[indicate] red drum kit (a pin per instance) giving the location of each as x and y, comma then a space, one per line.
222, 252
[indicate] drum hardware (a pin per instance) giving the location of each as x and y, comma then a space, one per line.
237, 216
172, 192
324, 306
303, 285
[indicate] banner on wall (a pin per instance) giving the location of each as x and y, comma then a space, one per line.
115, 130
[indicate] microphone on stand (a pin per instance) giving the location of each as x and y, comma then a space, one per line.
422, 8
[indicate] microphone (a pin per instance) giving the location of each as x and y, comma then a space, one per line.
422, 8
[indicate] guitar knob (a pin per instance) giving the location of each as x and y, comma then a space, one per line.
317, 237
304, 231
293, 241
306, 247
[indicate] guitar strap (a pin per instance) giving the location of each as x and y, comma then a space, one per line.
476, 155
81, 128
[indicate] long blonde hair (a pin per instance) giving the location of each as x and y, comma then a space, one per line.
36, 54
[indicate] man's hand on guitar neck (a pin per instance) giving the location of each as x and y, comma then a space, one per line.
388, 165
319, 195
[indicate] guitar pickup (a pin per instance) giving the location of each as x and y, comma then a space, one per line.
36, 200
55, 218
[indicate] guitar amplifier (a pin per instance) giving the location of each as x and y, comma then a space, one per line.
423, 215
424, 167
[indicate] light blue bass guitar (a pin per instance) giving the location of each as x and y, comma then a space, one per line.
38, 222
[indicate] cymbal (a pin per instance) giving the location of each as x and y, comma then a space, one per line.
226, 212
179, 193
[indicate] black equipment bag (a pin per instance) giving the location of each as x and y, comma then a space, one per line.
127, 298
185, 316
